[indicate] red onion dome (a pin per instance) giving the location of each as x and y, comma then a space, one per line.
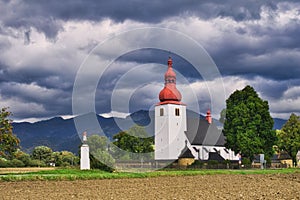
170, 92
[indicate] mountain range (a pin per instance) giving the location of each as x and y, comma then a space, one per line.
64, 134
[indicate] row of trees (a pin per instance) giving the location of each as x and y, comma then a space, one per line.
12, 156
41, 156
127, 145
248, 127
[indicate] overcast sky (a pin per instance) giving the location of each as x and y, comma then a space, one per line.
44, 43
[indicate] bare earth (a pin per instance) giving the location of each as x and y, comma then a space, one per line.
277, 186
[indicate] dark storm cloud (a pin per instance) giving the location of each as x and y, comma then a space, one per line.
159, 56
46, 16
34, 101
267, 50
42, 77
272, 55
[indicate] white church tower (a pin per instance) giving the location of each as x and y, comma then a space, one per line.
170, 120
84, 153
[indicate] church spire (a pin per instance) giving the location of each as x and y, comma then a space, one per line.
170, 94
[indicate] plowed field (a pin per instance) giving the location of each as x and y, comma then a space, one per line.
275, 186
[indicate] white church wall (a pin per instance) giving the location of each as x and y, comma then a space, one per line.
169, 131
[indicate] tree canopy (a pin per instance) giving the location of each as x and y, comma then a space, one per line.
9, 143
289, 136
248, 124
42, 153
99, 153
97, 142
134, 143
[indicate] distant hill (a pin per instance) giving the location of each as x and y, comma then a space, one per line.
61, 134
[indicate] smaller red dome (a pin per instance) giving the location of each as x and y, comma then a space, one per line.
208, 116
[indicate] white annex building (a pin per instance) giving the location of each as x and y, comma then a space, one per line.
175, 132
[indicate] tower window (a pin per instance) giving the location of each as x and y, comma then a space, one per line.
161, 112
176, 111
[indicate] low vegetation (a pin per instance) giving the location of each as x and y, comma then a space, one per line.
76, 174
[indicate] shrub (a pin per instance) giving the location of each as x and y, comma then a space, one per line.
65, 164
227, 163
3, 162
246, 162
25, 158
212, 164
17, 163
36, 163
96, 164
197, 164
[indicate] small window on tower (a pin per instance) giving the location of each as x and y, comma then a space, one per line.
161, 112
176, 111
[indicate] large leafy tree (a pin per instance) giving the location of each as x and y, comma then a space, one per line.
134, 143
42, 153
97, 142
100, 155
248, 124
9, 143
289, 136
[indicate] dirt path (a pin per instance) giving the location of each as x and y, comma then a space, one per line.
185, 187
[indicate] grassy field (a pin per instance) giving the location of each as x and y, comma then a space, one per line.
76, 174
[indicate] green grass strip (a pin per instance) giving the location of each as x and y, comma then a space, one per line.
76, 174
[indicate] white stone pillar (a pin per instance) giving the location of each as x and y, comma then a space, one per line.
85, 154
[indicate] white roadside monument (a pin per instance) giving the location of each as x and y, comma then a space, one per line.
84, 154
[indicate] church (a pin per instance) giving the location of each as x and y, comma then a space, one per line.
177, 136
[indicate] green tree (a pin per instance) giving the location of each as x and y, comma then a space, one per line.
222, 116
24, 157
64, 158
104, 157
56, 158
99, 155
96, 142
248, 124
134, 142
68, 158
42, 153
9, 143
289, 137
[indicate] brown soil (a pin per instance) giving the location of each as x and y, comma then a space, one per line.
182, 187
